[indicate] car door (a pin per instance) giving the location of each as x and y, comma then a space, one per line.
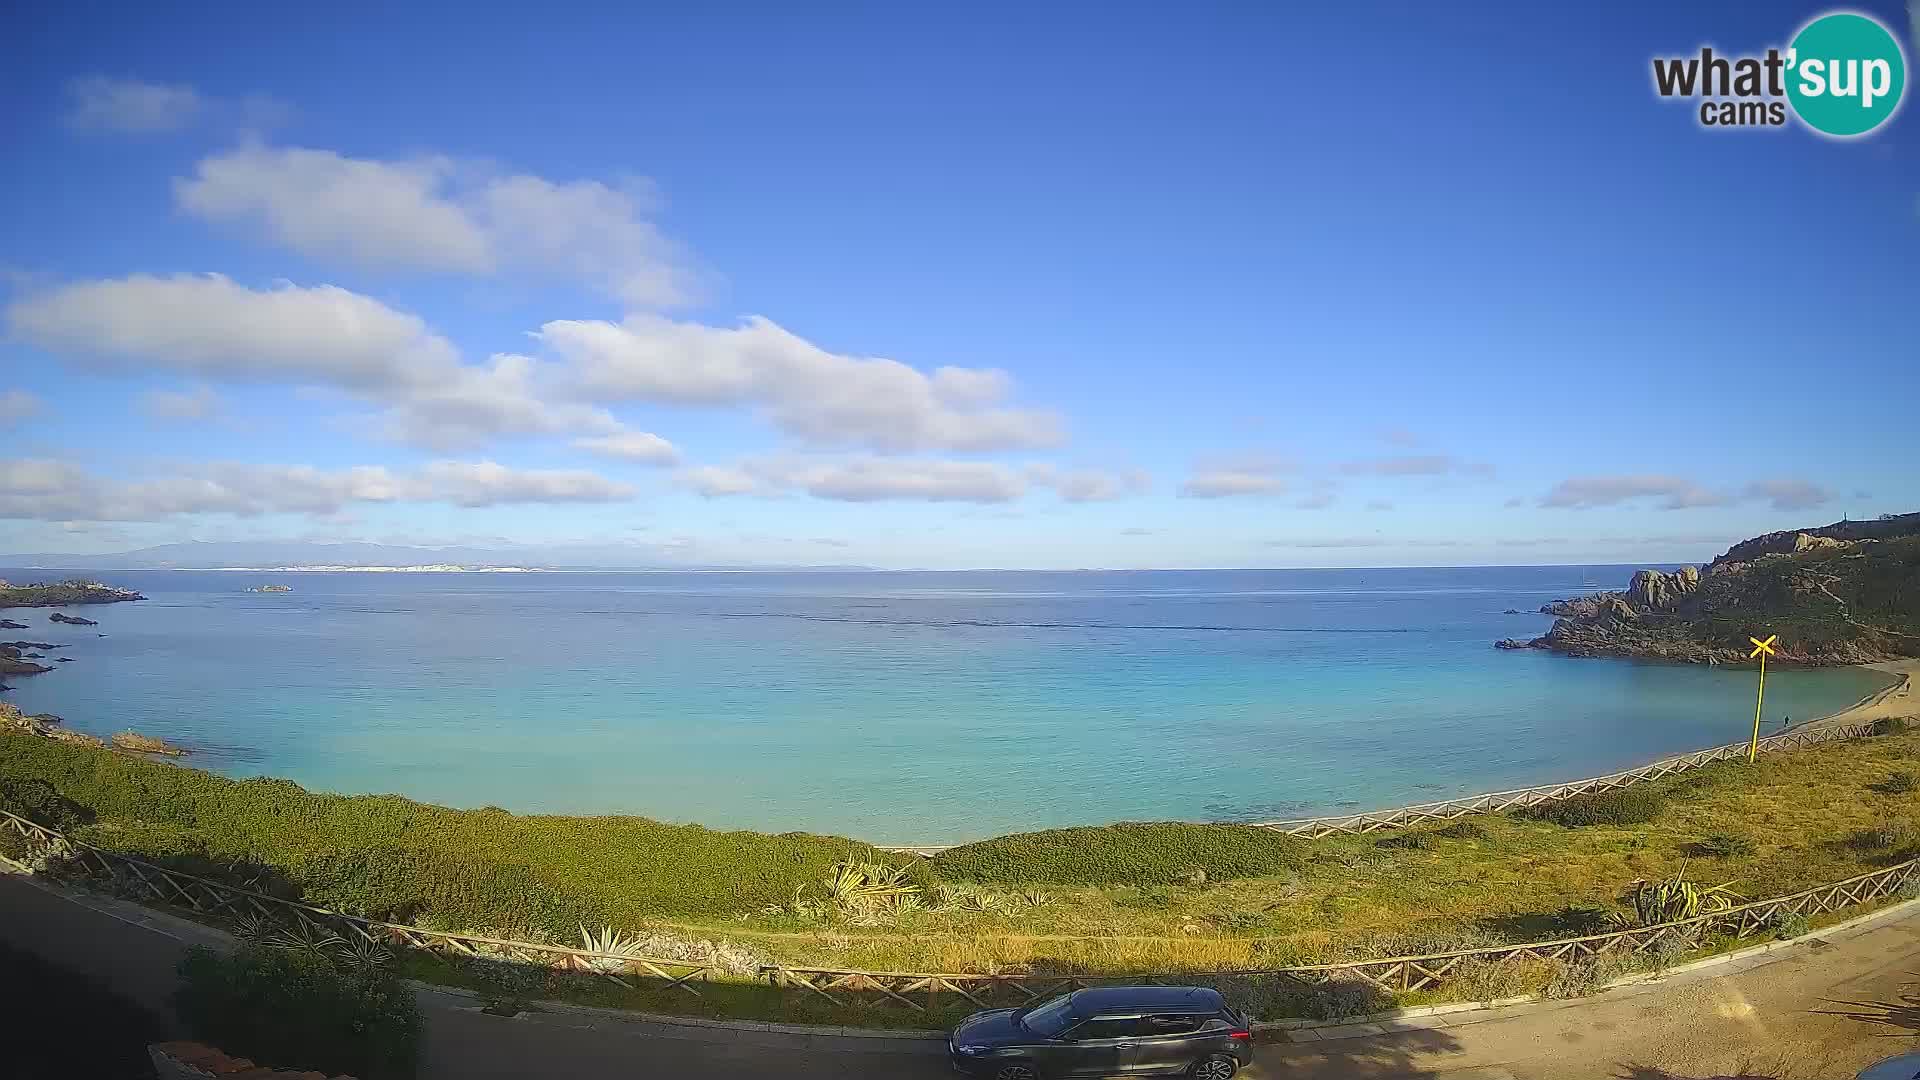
1164, 1043
1099, 1046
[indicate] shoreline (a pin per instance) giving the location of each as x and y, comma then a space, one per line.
1895, 699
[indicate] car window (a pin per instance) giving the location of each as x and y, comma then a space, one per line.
1171, 1024
1106, 1028
1051, 1019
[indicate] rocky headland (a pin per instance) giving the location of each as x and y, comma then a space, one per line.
1846, 593
62, 594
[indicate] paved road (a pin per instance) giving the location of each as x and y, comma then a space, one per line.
1817, 1013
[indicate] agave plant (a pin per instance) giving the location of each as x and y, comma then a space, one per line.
362, 955
614, 951
1676, 898
305, 937
254, 929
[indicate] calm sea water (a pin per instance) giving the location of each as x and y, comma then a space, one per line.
896, 707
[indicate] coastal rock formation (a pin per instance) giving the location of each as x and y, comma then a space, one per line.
1847, 593
1652, 590
72, 620
9, 624
12, 661
146, 744
62, 594
14, 721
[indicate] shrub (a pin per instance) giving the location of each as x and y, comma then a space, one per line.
1410, 841
1626, 806
1464, 829
1898, 783
1788, 924
1122, 855
389, 857
1892, 725
1723, 845
296, 1011
1882, 837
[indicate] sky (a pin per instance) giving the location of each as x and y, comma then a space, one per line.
1115, 285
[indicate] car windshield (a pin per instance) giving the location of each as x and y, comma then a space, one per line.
1050, 1019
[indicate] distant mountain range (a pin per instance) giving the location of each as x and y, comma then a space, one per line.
273, 554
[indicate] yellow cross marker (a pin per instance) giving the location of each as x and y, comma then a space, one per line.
1761, 649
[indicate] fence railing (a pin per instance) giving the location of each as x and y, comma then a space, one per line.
1397, 973
204, 898
1494, 802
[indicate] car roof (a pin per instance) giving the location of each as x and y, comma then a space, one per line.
1102, 999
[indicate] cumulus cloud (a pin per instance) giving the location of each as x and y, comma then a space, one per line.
1329, 542
818, 397
17, 407
61, 491
1226, 477
129, 106
638, 446
182, 406
1672, 492
211, 326
1786, 494
437, 214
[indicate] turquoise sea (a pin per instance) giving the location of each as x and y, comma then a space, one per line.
895, 707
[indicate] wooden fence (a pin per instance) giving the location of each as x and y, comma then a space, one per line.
234, 904
1496, 801
1392, 974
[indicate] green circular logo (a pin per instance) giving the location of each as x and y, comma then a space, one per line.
1846, 74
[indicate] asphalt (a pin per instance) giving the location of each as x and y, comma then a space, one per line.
1810, 1012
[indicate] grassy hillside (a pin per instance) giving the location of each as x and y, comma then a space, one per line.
1818, 600
1114, 899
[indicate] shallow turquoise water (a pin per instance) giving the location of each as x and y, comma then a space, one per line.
897, 707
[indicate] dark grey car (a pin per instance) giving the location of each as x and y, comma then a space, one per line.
1107, 1031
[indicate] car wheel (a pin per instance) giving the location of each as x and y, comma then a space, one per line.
1016, 1070
1217, 1067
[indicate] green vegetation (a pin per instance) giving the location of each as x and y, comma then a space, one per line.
1821, 602
296, 1010
1625, 806
387, 857
62, 594
1898, 783
1124, 855
1124, 898
1724, 845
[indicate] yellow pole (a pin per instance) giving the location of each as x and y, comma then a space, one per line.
1753, 748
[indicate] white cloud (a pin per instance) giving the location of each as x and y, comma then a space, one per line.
324, 205
639, 446
1416, 465
1244, 475
818, 397
60, 491
434, 213
1674, 493
210, 326
129, 106
17, 407
1089, 485
866, 479
1785, 494
182, 406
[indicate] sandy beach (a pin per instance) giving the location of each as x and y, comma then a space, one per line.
1896, 700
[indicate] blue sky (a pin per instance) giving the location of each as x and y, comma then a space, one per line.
1114, 285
